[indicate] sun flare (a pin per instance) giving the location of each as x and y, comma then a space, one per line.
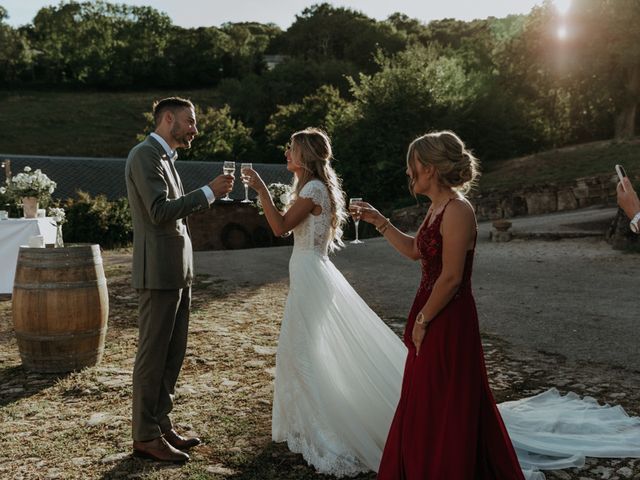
562, 32
562, 6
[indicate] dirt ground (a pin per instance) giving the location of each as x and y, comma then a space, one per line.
573, 297
554, 314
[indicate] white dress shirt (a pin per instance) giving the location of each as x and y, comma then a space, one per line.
173, 154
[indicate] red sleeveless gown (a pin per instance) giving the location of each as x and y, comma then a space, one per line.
447, 425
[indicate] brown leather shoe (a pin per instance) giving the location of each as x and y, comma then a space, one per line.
159, 449
180, 442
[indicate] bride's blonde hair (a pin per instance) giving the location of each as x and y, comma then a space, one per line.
316, 156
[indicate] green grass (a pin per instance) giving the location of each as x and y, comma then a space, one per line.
563, 165
95, 124
105, 124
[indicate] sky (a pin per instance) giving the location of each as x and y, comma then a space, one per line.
197, 13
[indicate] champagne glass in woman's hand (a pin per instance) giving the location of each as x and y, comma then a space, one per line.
245, 180
228, 168
355, 209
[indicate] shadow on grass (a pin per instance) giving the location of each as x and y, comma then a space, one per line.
276, 462
134, 467
19, 384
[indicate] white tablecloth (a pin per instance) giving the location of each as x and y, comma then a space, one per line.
15, 232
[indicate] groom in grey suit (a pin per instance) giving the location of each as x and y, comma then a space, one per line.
162, 273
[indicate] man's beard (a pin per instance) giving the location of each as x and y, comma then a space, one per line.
181, 138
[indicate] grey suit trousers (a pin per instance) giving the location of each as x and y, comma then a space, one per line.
163, 324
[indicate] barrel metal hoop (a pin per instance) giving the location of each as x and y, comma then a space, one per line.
66, 263
75, 357
56, 337
100, 282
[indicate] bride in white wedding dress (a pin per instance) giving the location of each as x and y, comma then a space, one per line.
339, 368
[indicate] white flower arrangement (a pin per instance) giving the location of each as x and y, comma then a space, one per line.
281, 195
58, 215
5, 198
28, 184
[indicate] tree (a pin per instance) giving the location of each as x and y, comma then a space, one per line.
196, 56
582, 87
99, 43
220, 136
607, 46
15, 55
406, 98
323, 32
247, 43
319, 109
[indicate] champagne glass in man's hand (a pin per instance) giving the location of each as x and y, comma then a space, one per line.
355, 209
228, 168
221, 185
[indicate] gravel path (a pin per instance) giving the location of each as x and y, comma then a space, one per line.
554, 313
576, 298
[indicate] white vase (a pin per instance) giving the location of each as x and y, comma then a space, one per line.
59, 241
30, 207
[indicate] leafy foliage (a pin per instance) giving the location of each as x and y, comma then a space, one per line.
407, 98
320, 109
97, 220
508, 86
220, 137
323, 32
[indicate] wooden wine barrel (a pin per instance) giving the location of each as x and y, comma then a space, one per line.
60, 307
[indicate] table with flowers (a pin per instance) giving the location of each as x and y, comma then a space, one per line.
15, 232
26, 189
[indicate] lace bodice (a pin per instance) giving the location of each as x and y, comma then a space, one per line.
430, 247
312, 234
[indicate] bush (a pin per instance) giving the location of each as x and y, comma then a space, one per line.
97, 220
221, 137
316, 110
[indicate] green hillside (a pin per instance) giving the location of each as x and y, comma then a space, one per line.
94, 124
105, 125
563, 165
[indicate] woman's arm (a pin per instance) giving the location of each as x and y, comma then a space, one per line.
403, 243
458, 232
279, 222
282, 223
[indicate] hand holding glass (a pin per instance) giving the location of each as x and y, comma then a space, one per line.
228, 168
356, 211
245, 181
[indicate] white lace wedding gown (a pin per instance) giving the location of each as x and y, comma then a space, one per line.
339, 370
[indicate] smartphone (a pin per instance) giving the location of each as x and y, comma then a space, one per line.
621, 174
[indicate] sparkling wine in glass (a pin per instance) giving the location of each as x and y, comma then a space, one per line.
356, 211
245, 181
228, 168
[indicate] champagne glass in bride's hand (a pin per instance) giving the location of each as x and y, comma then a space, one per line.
245, 181
228, 168
356, 212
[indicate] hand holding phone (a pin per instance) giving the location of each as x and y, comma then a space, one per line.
621, 174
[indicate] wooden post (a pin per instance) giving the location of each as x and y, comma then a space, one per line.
6, 164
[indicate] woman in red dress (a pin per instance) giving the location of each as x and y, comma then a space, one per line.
447, 425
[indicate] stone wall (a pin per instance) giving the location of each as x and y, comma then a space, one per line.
230, 226
492, 205
237, 225
584, 192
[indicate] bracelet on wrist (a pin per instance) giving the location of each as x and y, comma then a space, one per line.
382, 228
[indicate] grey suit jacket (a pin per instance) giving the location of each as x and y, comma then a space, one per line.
162, 252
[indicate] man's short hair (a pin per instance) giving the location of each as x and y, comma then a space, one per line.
170, 103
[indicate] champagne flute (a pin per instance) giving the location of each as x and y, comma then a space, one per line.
356, 211
245, 181
228, 168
